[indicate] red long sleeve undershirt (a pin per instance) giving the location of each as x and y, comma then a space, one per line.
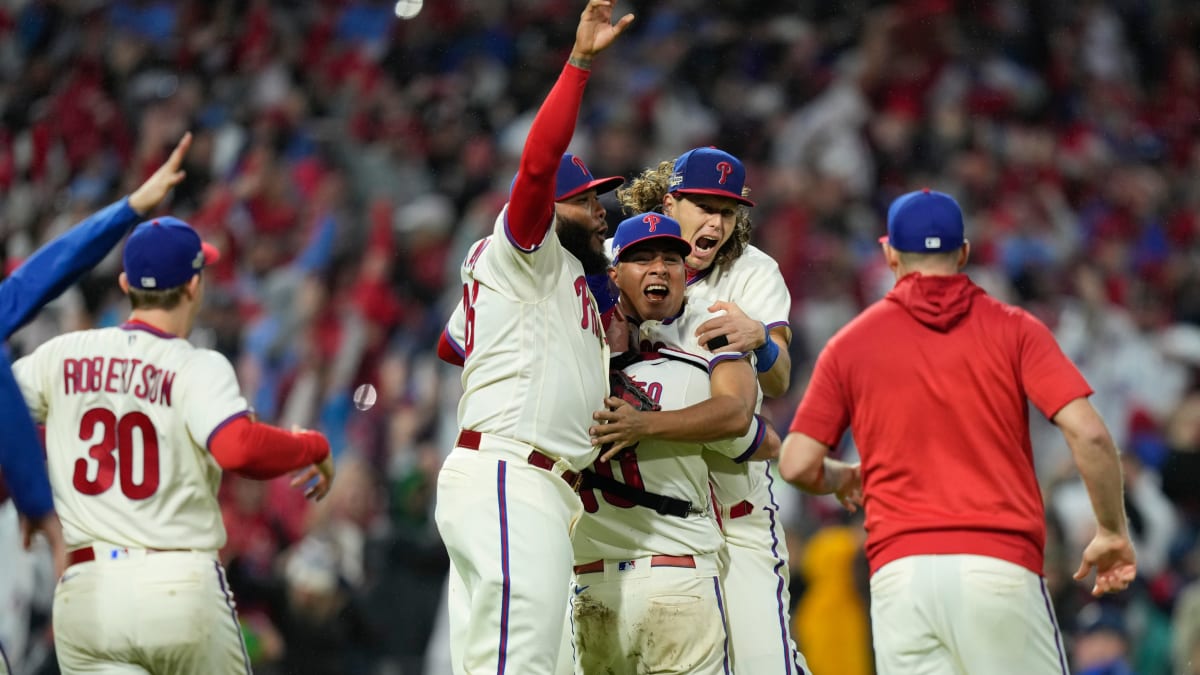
531, 205
261, 451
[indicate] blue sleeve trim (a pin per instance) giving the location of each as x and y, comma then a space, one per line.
759, 436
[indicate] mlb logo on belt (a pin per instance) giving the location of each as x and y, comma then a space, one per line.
626, 565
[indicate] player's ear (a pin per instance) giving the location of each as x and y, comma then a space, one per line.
964, 254
123, 282
193, 286
668, 205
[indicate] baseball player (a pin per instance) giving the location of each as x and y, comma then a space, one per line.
535, 365
647, 595
704, 190
935, 382
139, 425
39, 279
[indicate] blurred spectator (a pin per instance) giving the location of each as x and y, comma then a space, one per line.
1101, 642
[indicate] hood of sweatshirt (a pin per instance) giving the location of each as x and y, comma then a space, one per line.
939, 302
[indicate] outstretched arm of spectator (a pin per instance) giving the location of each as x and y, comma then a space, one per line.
1110, 552
56, 266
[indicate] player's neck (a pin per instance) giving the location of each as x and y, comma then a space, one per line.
168, 321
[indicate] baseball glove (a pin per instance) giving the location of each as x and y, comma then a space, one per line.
631, 392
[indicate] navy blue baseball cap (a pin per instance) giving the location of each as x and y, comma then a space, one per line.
574, 177
646, 227
709, 171
924, 221
164, 253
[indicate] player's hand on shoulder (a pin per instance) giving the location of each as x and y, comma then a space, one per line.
740, 333
151, 193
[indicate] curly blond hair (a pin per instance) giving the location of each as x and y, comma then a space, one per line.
646, 192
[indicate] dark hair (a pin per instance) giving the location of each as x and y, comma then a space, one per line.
646, 192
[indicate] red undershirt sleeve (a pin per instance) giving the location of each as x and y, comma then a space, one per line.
261, 451
447, 351
531, 205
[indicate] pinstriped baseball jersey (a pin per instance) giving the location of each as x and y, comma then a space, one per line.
614, 529
536, 362
128, 414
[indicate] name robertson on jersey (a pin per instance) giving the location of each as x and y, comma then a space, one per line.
118, 376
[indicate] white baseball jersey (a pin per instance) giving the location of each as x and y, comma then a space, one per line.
129, 412
754, 284
535, 359
612, 528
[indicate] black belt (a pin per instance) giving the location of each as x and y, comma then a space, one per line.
667, 506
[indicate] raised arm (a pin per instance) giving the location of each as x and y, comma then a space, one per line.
531, 205
53, 268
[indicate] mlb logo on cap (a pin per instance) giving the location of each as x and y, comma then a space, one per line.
925, 221
709, 171
164, 253
646, 227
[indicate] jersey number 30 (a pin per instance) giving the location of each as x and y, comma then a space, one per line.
111, 434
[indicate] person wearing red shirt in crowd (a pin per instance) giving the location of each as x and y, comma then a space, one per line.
932, 381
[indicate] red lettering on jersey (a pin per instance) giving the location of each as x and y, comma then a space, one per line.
95, 368
474, 257
149, 390
114, 373
70, 376
168, 379
630, 473
470, 297
590, 317
117, 434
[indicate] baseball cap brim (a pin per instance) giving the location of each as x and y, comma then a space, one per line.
678, 243
718, 193
211, 254
600, 185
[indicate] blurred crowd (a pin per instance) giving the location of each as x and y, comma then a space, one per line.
344, 160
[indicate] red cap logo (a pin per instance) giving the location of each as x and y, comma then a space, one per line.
579, 163
651, 220
725, 168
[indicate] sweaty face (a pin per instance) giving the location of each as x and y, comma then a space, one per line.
651, 279
581, 229
707, 222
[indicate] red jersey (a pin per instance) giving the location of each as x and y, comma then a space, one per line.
933, 382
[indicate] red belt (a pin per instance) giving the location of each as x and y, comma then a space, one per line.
655, 561
742, 508
87, 554
470, 440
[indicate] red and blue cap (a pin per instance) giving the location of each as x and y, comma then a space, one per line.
709, 171
646, 227
165, 252
924, 221
574, 177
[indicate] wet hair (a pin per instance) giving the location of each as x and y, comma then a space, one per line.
646, 193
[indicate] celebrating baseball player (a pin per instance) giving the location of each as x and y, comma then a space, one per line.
39, 279
647, 592
139, 425
535, 365
935, 380
704, 190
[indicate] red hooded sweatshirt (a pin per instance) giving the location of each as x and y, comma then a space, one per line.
933, 382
